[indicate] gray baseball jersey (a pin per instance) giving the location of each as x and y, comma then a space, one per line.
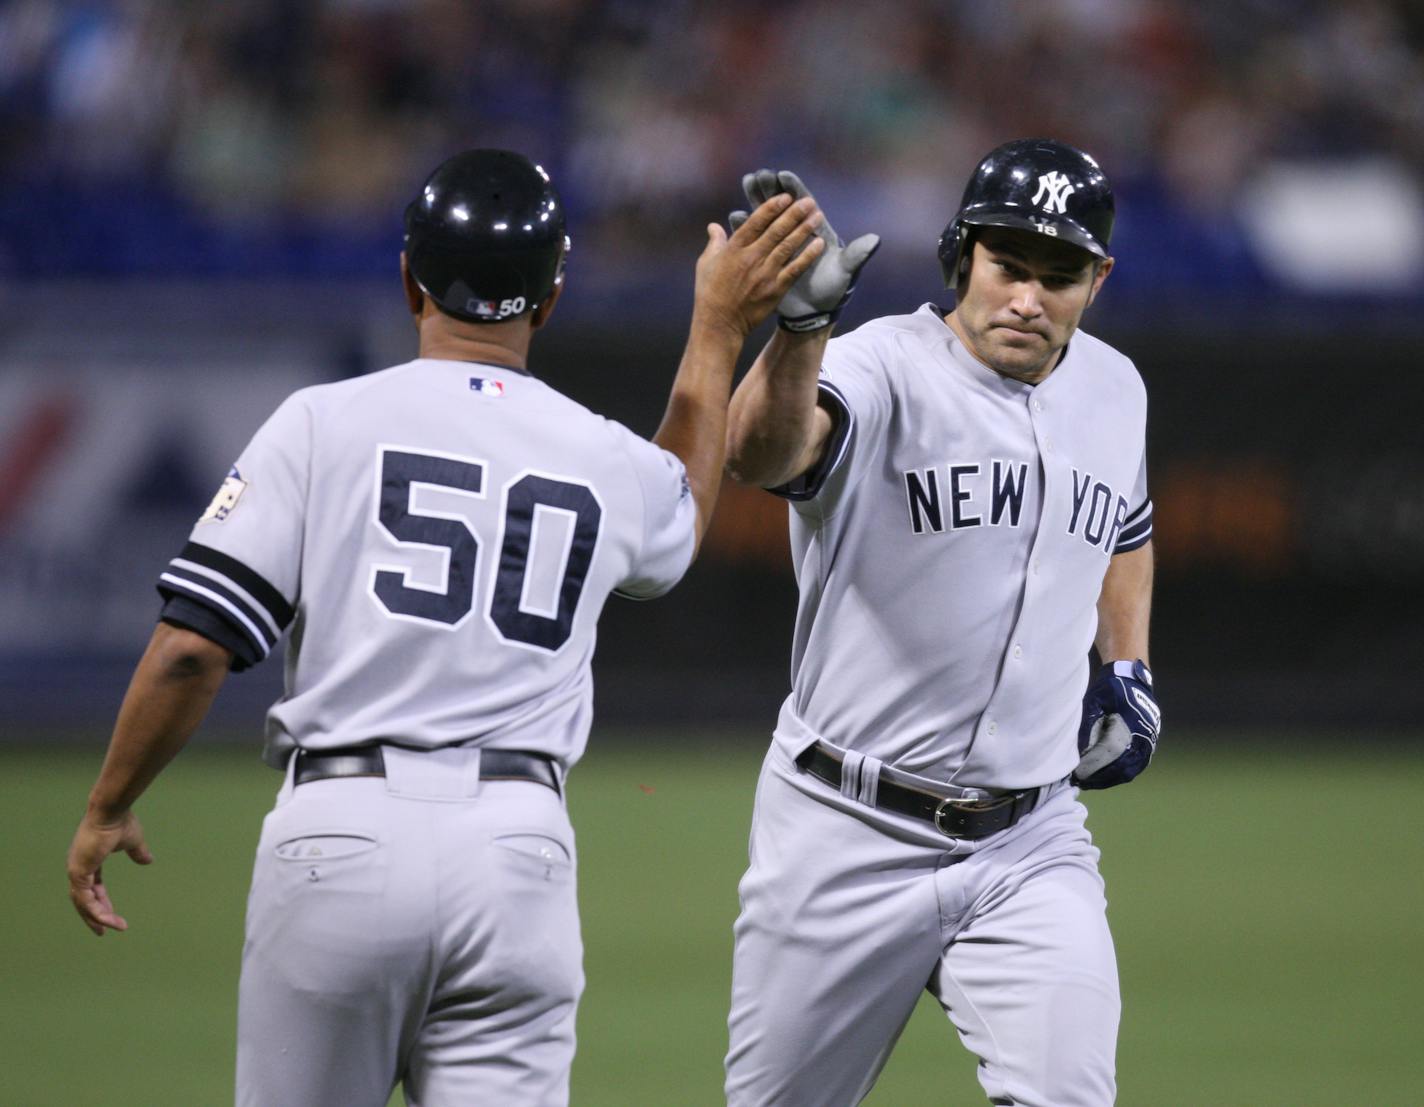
951, 548
439, 539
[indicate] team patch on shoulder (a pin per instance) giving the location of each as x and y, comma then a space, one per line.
226, 499
487, 386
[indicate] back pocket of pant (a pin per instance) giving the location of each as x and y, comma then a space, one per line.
537, 854
324, 847
333, 862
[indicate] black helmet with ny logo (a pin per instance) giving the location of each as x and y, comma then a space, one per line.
1032, 184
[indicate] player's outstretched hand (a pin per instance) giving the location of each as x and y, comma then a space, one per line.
816, 299
742, 278
95, 841
1120, 727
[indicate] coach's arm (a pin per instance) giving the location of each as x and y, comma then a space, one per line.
740, 280
172, 689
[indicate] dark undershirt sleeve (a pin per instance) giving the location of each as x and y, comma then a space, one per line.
180, 611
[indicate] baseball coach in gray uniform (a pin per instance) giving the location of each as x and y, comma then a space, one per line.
969, 518
437, 541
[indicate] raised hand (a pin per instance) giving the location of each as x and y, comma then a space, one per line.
816, 299
741, 278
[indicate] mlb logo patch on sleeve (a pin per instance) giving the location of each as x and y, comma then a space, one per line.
226, 499
487, 386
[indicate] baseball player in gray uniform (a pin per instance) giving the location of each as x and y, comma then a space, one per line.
436, 541
969, 518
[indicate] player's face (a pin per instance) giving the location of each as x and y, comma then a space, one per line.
1022, 298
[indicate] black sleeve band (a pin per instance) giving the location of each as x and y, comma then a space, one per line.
1136, 530
235, 571
232, 591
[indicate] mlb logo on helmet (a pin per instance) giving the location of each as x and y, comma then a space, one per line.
486, 386
484, 309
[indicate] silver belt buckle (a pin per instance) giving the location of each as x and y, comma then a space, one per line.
962, 804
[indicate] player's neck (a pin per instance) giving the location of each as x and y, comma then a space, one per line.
1035, 375
488, 343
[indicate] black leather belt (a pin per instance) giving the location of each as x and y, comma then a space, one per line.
369, 761
955, 818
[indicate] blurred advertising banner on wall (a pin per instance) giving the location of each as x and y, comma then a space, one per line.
1287, 470
104, 468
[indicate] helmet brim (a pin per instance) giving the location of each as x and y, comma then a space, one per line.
1059, 227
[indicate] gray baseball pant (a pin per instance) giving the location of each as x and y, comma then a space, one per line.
849, 914
420, 929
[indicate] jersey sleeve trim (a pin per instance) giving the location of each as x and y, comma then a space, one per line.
809, 484
232, 591
1136, 529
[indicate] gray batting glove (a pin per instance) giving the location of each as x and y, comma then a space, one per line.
814, 301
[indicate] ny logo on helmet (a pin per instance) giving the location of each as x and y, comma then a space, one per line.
1053, 192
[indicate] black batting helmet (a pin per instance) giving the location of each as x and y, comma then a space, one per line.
485, 238
1033, 184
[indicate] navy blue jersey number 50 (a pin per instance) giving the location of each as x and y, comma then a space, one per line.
515, 622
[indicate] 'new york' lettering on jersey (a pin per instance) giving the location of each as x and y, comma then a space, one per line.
1003, 494
455, 552
1101, 513
999, 504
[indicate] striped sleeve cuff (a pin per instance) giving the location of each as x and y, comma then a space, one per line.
232, 591
1136, 529
809, 483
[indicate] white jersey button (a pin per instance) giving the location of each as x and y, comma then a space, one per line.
993, 727
1038, 405
1018, 651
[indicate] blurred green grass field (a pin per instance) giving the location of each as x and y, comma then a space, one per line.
1267, 901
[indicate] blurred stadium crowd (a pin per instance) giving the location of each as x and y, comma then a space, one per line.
149, 137
1268, 157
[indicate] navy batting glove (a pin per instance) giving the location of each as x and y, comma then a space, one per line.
1121, 722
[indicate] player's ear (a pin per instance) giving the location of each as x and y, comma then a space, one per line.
414, 298
1101, 269
540, 315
